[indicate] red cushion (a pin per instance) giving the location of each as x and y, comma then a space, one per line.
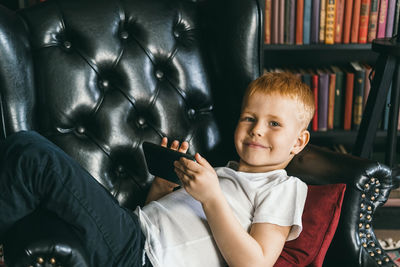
320, 219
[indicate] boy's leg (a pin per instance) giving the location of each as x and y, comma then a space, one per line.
33, 172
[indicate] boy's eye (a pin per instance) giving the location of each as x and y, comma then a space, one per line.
248, 119
274, 123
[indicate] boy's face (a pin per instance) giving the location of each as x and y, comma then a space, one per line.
268, 133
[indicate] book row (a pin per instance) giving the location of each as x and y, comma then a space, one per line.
340, 95
329, 21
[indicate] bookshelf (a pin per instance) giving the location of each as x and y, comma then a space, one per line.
303, 44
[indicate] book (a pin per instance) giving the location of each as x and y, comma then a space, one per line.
314, 88
292, 7
373, 20
355, 22
331, 98
396, 19
382, 15
314, 38
338, 109
323, 99
274, 22
307, 22
267, 22
364, 20
306, 77
358, 94
330, 22
348, 103
290, 17
390, 18
322, 21
299, 21
281, 24
348, 11
339, 21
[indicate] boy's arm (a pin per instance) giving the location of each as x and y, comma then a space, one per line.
261, 247
161, 187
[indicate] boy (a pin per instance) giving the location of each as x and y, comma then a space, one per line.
240, 215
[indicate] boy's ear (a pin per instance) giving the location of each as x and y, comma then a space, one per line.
302, 141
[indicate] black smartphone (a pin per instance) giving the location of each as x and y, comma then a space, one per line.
160, 161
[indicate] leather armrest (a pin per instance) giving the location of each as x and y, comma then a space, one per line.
42, 239
368, 186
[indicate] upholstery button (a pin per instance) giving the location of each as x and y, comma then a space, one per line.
141, 122
120, 169
124, 35
67, 44
81, 130
159, 74
177, 34
105, 83
191, 113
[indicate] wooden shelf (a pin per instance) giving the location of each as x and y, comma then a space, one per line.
347, 138
323, 47
317, 55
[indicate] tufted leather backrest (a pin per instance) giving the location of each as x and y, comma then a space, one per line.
99, 77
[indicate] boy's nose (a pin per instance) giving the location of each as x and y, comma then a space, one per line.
257, 129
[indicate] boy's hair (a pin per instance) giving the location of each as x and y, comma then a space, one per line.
288, 85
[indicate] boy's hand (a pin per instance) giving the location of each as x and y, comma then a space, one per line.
161, 187
198, 178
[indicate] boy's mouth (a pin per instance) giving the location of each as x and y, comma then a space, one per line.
255, 145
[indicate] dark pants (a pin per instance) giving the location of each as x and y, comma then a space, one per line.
34, 172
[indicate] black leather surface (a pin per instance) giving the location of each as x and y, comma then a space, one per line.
99, 77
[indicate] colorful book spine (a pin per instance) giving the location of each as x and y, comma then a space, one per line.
364, 19
267, 22
390, 18
274, 22
299, 21
348, 105
292, 21
355, 22
281, 24
323, 98
288, 21
307, 22
382, 19
338, 105
331, 99
358, 94
315, 22
314, 81
330, 22
322, 21
306, 78
348, 11
339, 21
373, 20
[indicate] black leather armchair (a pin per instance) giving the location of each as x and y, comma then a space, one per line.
99, 77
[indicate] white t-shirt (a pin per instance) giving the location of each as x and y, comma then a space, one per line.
176, 229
